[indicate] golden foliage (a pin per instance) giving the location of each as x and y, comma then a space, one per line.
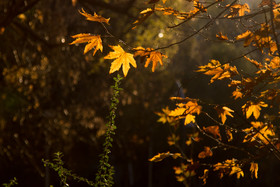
253, 108
151, 55
229, 167
221, 36
185, 110
259, 131
223, 112
93, 42
214, 130
159, 157
254, 169
219, 71
94, 17
206, 153
238, 10
121, 59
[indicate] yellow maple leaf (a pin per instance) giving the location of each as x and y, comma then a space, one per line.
152, 56
243, 35
256, 63
253, 108
189, 118
143, 16
221, 36
223, 112
218, 70
229, 135
121, 59
93, 42
159, 157
263, 132
237, 170
238, 9
94, 17
254, 169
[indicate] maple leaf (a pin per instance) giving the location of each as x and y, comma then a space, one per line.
153, 56
256, 63
218, 70
159, 157
214, 130
253, 108
229, 167
93, 42
254, 169
121, 59
238, 9
248, 36
223, 112
259, 131
275, 63
171, 140
95, 17
205, 176
189, 118
164, 116
143, 16
221, 36
229, 135
206, 153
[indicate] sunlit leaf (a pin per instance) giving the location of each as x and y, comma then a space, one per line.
121, 59
214, 130
152, 56
94, 17
253, 108
254, 169
159, 157
221, 36
206, 153
223, 112
93, 42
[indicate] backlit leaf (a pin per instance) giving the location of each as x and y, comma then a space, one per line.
221, 36
94, 17
206, 153
254, 169
214, 130
93, 42
253, 108
121, 59
152, 56
159, 157
238, 10
223, 112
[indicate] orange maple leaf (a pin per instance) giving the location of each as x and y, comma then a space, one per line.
94, 17
214, 130
253, 108
152, 56
206, 153
223, 112
159, 157
221, 36
143, 16
238, 9
121, 59
218, 70
93, 41
263, 132
254, 169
